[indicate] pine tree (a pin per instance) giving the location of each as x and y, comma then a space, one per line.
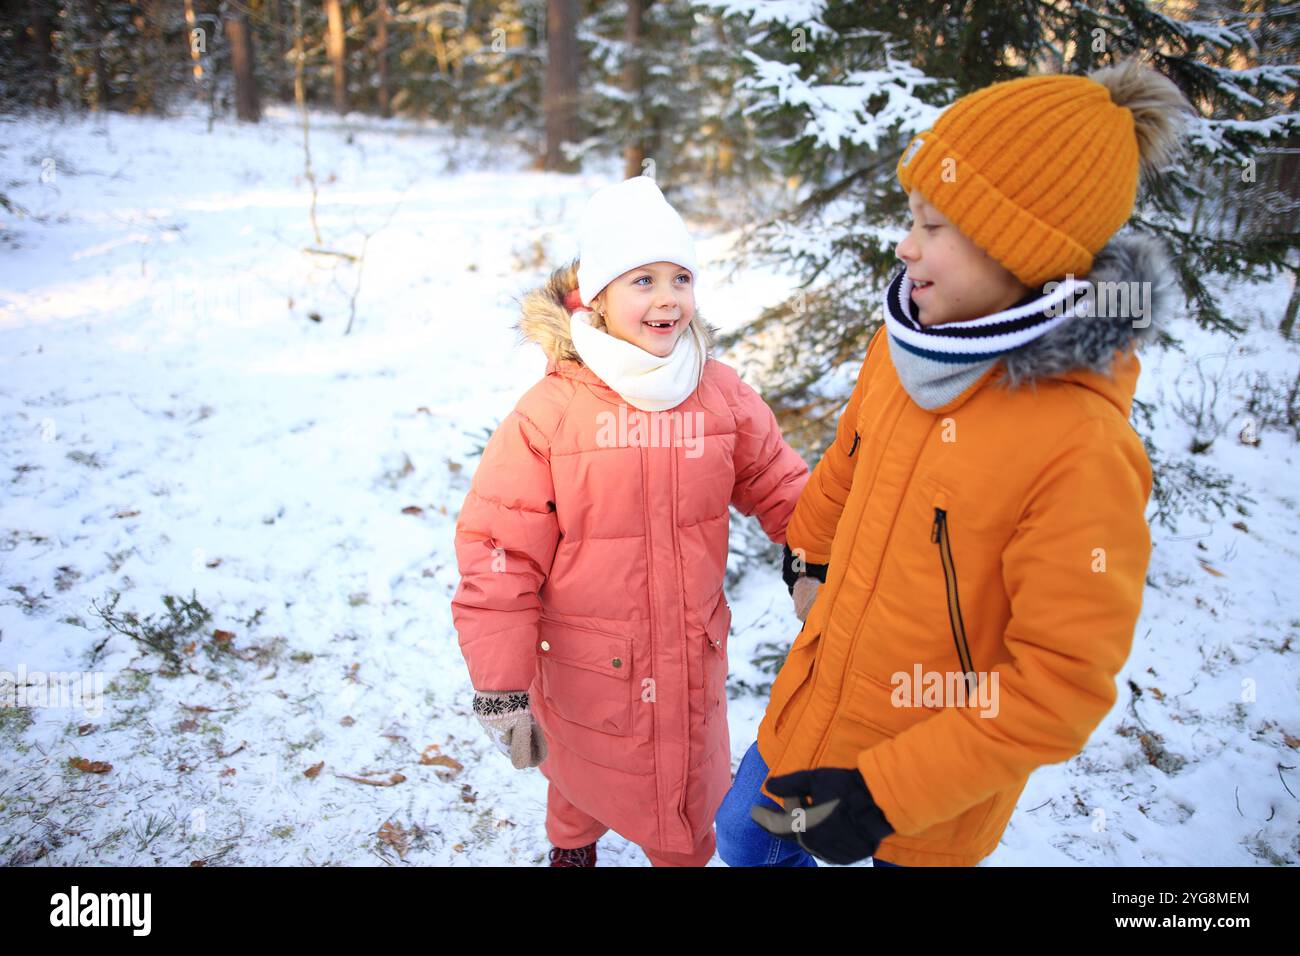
666, 97
839, 88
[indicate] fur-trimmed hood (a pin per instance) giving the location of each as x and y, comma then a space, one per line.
545, 311
1089, 342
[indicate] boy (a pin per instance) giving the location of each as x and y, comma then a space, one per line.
983, 501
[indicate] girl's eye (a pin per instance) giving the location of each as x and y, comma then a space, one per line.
685, 276
928, 228
640, 279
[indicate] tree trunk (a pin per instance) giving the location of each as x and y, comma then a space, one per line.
335, 45
282, 84
633, 85
103, 95
40, 33
300, 97
381, 54
196, 56
560, 99
212, 73
148, 55
247, 104
1287, 326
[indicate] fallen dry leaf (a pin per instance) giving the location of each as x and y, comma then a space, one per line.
438, 759
396, 837
391, 781
313, 769
90, 766
412, 510
1212, 570
223, 635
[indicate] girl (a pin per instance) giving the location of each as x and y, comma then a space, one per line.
593, 541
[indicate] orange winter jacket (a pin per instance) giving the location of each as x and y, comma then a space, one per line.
1001, 535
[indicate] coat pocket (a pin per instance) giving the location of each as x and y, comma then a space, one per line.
789, 690
702, 644
586, 675
715, 659
941, 536
887, 709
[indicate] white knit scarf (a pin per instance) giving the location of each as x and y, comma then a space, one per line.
646, 381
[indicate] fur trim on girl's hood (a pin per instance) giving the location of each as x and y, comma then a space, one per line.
544, 316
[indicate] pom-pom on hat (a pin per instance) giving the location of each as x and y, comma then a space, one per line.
1041, 171
626, 225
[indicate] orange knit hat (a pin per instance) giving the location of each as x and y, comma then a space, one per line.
1038, 172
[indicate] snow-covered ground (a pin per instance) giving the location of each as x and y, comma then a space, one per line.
183, 415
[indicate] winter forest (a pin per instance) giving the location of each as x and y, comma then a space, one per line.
261, 272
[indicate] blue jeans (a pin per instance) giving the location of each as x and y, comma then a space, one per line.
741, 841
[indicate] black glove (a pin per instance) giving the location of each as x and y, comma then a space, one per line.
840, 822
789, 574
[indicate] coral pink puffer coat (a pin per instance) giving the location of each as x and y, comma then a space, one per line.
592, 572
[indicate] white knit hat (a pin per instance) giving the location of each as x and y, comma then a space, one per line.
626, 225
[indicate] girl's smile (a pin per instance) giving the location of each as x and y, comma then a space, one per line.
663, 327
649, 306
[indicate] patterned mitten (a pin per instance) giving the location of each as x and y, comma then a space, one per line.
506, 717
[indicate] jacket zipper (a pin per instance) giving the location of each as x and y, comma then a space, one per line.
939, 535
679, 584
855, 444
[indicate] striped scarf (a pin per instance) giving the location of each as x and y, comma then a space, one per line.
937, 363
